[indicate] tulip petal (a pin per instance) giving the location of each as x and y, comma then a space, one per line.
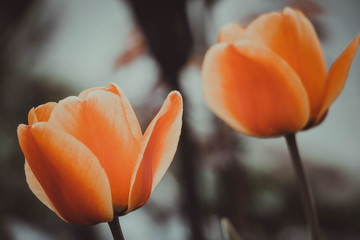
112, 88
68, 173
291, 35
231, 32
86, 92
163, 133
106, 123
160, 143
41, 113
253, 89
37, 189
337, 75
141, 183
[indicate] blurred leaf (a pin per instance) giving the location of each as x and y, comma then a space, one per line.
228, 230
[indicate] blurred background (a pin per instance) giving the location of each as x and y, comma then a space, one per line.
52, 49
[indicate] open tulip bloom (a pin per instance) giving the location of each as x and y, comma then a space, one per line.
269, 78
86, 156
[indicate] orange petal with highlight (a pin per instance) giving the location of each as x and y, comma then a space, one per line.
106, 123
292, 36
160, 143
254, 90
41, 113
68, 173
337, 76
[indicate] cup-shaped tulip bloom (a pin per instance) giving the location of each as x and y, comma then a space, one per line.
269, 78
86, 156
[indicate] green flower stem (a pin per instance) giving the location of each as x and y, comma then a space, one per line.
306, 196
116, 229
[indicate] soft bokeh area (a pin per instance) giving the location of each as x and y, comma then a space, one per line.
50, 49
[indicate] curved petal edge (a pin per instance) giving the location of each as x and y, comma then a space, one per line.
69, 174
159, 146
337, 75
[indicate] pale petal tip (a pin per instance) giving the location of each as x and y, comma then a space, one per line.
230, 26
231, 32
175, 96
32, 116
22, 127
288, 9
176, 100
119, 90
357, 38
112, 84
356, 43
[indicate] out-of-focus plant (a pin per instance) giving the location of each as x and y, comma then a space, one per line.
87, 159
269, 79
167, 33
228, 230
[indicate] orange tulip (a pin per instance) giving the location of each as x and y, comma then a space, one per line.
269, 79
87, 159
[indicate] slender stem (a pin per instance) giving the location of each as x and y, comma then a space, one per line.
306, 196
116, 229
